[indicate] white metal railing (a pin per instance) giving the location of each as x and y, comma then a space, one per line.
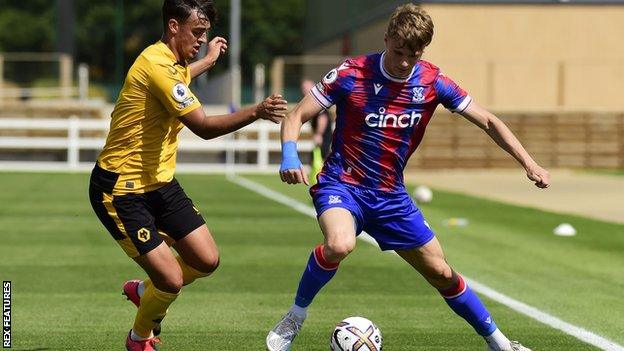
73, 142
42, 92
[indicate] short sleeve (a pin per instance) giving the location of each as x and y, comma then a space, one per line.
334, 86
450, 95
172, 92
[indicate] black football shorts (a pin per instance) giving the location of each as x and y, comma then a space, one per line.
139, 222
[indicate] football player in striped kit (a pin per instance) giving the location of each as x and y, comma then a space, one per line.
384, 102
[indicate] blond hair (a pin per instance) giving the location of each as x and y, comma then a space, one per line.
412, 26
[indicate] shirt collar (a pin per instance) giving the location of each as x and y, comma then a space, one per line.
390, 76
165, 49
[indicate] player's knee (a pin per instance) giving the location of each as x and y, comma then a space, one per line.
440, 274
171, 284
208, 266
339, 249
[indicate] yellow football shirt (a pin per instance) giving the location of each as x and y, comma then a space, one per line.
143, 138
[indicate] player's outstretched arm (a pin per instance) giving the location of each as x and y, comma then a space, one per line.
216, 47
502, 135
272, 108
292, 170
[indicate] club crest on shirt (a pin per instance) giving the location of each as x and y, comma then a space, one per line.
419, 94
172, 71
180, 92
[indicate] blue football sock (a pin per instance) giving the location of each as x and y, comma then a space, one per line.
316, 274
467, 305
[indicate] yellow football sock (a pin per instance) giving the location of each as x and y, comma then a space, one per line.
146, 284
189, 274
154, 304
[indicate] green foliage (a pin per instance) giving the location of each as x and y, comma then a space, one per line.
95, 36
269, 28
27, 25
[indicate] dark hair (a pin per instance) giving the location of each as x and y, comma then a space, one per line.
180, 10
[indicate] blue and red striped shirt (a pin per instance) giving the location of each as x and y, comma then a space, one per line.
380, 119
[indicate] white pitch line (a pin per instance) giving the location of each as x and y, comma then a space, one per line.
518, 306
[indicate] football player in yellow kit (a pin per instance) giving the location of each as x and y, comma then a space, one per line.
132, 188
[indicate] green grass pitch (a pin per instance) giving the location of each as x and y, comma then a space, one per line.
67, 273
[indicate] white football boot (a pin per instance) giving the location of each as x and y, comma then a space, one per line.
280, 338
514, 346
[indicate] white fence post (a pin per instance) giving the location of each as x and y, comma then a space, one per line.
73, 145
65, 70
259, 83
83, 81
230, 154
277, 75
1, 80
263, 146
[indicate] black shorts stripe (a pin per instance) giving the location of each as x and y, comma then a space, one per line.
103, 179
97, 202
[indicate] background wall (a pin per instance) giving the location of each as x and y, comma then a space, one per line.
518, 57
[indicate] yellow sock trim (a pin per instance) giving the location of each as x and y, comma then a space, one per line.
189, 274
154, 304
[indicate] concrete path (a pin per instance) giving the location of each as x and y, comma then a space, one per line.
585, 194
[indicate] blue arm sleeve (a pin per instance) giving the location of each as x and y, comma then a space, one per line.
290, 158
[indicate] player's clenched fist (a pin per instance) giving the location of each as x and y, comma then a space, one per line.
539, 175
272, 108
216, 47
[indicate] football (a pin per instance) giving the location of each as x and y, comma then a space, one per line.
422, 194
356, 334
